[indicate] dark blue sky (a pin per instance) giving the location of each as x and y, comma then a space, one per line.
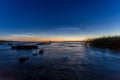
59, 18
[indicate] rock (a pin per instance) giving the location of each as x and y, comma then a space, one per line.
25, 47
40, 44
35, 54
44, 43
41, 51
23, 59
10, 44
83, 64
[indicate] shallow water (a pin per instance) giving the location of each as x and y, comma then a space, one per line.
60, 61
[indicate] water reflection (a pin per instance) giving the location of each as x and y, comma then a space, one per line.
60, 61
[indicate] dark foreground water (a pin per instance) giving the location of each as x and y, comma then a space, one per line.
60, 61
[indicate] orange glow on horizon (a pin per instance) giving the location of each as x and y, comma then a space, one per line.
43, 39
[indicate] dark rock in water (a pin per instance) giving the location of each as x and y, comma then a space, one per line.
25, 47
10, 44
40, 44
44, 43
83, 64
71, 46
35, 54
41, 51
23, 59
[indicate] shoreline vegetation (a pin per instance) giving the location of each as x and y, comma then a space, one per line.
4, 41
107, 42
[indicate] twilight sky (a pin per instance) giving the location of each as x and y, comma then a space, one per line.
58, 19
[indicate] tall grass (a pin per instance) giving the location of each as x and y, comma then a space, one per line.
110, 42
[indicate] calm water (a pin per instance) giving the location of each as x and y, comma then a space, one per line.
60, 61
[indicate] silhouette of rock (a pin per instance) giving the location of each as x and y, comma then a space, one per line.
40, 44
24, 47
35, 54
23, 59
44, 43
41, 51
10, 44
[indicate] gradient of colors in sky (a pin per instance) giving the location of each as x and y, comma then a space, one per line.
58, 19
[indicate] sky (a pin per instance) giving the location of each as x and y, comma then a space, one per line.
39, 20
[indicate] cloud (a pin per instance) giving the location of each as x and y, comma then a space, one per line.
22, 35
37, 34
69, 29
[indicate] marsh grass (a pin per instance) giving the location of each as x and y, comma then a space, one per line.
110, 42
